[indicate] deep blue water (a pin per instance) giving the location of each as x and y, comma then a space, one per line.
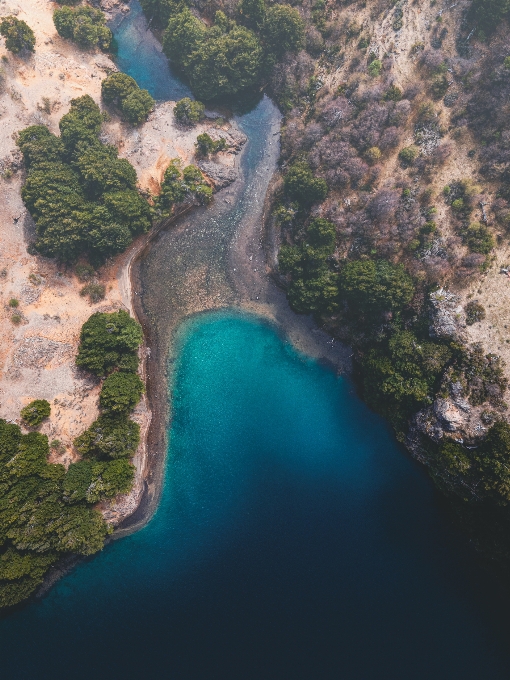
294, 539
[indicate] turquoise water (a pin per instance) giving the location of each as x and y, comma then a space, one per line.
294, 539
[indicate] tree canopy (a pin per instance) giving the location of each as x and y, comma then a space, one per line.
301, 185
188, 112
283, 29
219, 61
18, 35
84, 25
123, 92
37, 525
109, 341
82, 197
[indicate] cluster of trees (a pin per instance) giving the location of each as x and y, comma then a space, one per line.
179, 184
84, 25
123, 92
108, 347
489, 13
47, 511
38, 524
313, 285
82, 197
18, 35
229, 57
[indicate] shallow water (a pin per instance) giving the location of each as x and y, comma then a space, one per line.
294, 539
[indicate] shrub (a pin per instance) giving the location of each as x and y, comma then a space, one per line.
120, 393
18, 35
34, 413
475, 312
84, 272
373, 154
109, 438
478, 238
301, 185
408, 154
109, 341
205, 145
95, 292
13, 302
178, 184
189, 112
16, 319
123, 92
375, 68
84, 25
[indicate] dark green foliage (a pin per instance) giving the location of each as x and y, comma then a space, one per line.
219, 61
39, 146
408, 154
301, 185
188, 112
94, 291
94, 481
474, 312
400, 377
109, 341
484, 376
80, 194
120, 393
109, 438
158, 12
102, 171
205, 145
283, 30
493, 459
36, 524
34, 413
178, 185
122, 91
18, 35
313, 287
373, 287
478, 238
490, 12
84, 25
252, 13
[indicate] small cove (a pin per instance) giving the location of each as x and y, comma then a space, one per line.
294, 538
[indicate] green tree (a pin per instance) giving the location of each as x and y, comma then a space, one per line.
38, 145
205, 145
283, 30
84, 25
189, 112
120, 393
34, 413
301, 185
109, 341
225, 63
109, 438
122, 91
183, 35
373, 287
490, 12
137, 106
18, 35
103, 171
130, 209
159, 11
493, 459
252, 13
80, 127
